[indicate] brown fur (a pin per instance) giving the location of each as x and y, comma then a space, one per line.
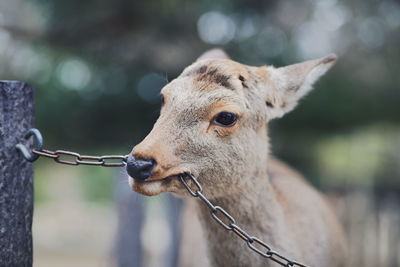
207, 76
267, 198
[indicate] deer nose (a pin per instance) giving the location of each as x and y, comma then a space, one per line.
139, 169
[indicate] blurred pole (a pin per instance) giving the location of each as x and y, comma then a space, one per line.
131, 216
128, 249
174, 214
16, 175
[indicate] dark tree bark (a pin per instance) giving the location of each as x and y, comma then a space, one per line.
16, 185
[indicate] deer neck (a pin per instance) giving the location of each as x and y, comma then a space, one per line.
255, 209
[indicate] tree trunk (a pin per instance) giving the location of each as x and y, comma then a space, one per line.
16, 175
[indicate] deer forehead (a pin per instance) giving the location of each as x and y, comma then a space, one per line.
217, 80
216, 74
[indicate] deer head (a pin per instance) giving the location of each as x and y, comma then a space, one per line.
213, 124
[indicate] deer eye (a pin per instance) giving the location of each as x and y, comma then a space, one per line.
162, 100
225, 119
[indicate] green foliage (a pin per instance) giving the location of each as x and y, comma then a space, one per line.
97, 183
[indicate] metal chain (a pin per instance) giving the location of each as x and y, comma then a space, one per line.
224, 219
78, 159
59, 155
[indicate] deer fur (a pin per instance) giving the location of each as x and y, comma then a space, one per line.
266, 197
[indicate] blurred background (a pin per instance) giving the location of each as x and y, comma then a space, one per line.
98, 67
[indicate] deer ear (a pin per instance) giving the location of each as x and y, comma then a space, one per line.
291, 83
215, 53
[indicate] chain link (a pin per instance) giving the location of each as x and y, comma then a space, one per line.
223, 218
77, 159
61, 156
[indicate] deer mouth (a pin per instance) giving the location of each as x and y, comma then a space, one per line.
153, 187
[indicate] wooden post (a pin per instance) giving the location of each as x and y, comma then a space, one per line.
16, 175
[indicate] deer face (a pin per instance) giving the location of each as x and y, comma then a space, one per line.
213, 124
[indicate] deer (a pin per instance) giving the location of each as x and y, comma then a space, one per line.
213, 124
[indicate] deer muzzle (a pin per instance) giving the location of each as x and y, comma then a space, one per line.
140, 169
